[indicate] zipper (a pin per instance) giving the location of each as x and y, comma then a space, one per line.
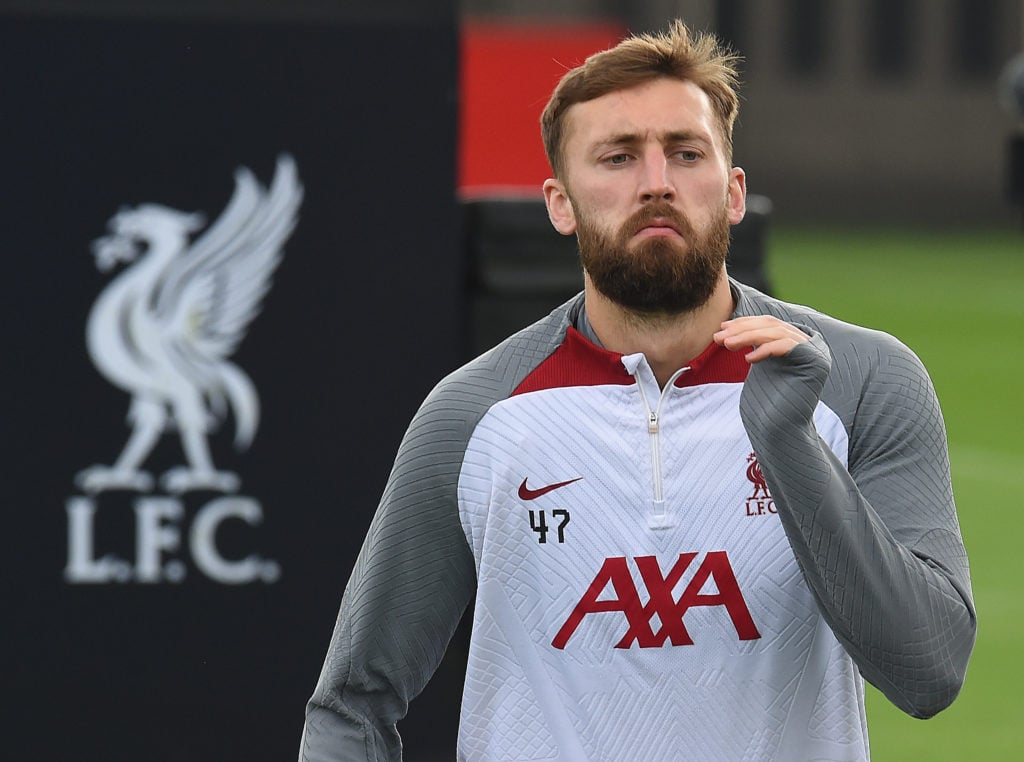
658, 517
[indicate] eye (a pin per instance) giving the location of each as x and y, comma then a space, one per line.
688, 155
617, 159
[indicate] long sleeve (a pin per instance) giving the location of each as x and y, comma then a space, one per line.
409, 587
415, 574
878, 541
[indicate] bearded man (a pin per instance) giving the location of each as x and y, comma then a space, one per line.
693, 519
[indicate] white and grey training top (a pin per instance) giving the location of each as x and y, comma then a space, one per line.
701, 572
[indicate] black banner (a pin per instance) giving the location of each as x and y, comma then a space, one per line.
231, 271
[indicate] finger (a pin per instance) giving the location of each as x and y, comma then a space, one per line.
736, 334
762, 322
753, 322
757, 337
777, 348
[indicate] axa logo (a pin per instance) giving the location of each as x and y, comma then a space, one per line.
660, 619
164, 331
760, 501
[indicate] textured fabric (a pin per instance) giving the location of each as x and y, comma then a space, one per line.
582, 651
672, 595
879, 542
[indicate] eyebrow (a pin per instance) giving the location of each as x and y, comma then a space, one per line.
632, 138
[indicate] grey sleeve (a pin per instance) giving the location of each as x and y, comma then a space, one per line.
415, 574
410, 585
878, 542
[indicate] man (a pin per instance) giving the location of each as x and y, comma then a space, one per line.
694, 517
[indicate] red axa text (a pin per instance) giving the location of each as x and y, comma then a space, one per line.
669, 610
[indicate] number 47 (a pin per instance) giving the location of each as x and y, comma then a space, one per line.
539, 524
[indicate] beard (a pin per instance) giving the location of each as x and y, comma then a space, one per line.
656, 276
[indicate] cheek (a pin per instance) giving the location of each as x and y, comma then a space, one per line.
602, 208
709, 200
604, 199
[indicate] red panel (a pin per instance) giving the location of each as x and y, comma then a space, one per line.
508, 71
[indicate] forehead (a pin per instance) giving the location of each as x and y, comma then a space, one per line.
659, 107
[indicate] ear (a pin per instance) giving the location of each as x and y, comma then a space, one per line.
559, 205
737, 198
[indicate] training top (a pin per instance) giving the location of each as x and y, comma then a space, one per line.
702, 572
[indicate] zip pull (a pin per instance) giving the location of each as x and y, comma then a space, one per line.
652, 422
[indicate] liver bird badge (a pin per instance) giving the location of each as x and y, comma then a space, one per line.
166, 326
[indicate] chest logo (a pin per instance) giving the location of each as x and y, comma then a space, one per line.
759, 502
525, 493
640, 617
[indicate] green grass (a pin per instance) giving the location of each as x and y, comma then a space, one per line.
955, 299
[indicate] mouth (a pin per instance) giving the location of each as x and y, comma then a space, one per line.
659, 227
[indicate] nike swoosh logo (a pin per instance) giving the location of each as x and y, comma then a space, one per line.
525, 493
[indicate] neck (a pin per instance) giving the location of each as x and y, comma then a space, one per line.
668, 342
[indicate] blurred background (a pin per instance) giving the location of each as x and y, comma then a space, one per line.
883, 142
853, 110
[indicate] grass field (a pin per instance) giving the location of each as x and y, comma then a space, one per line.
955, 299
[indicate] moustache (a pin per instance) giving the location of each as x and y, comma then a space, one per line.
659, 210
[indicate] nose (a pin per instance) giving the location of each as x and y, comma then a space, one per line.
655, 183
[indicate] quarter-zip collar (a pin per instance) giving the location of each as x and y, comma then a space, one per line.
658, 514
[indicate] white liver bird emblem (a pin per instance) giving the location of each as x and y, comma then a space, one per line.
164, 328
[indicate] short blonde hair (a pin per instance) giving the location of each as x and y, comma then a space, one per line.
676, 54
